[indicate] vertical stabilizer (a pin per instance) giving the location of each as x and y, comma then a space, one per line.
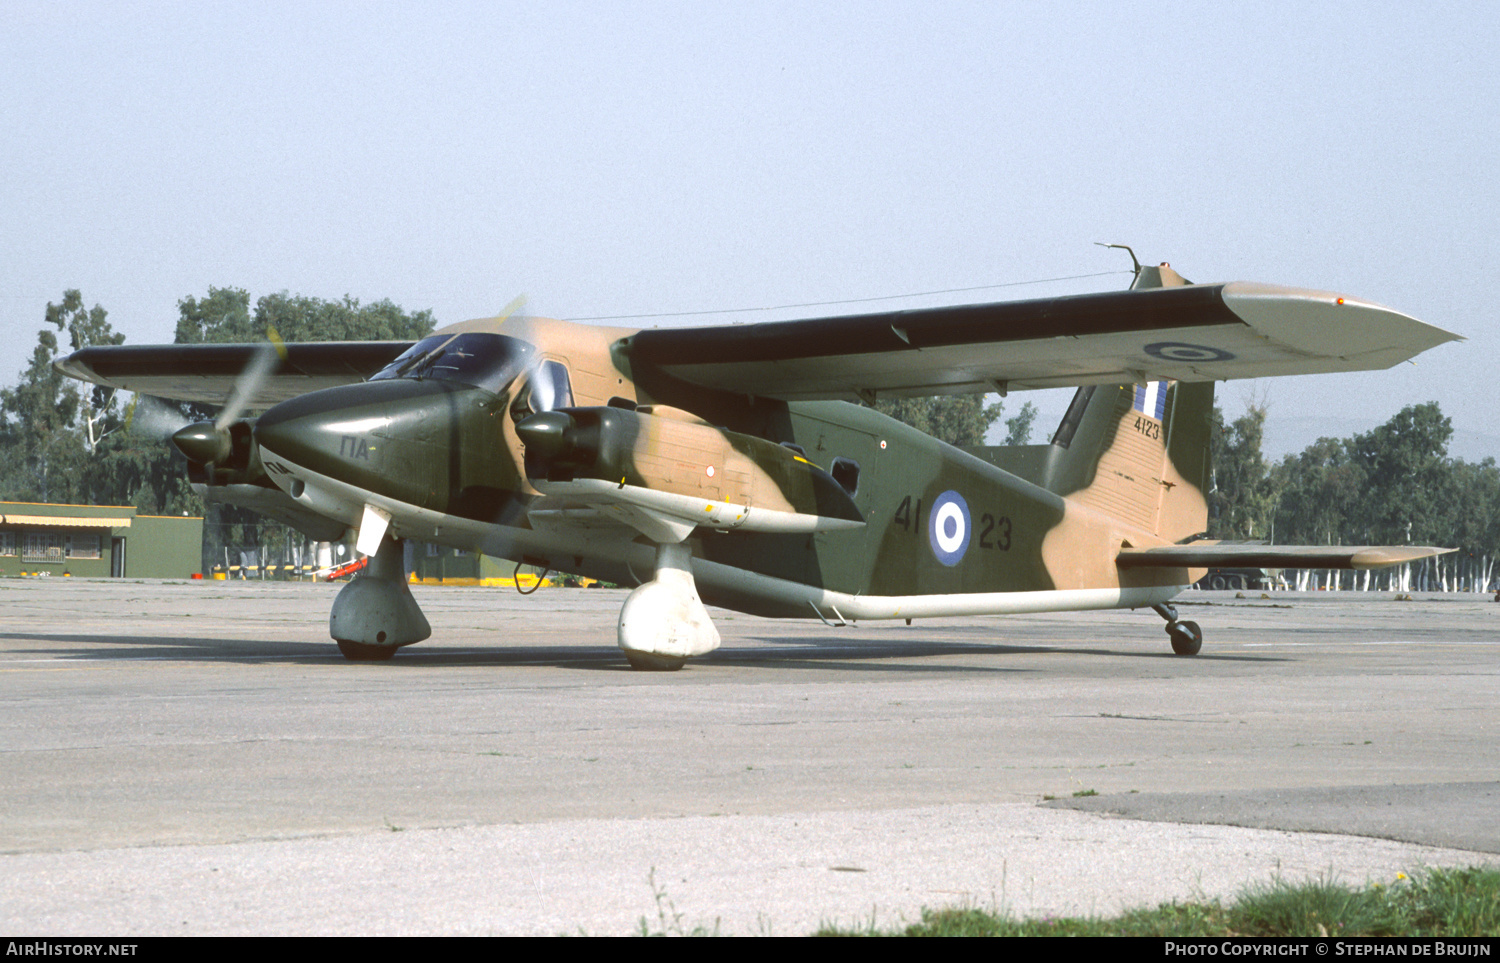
1138, 453
1161, 276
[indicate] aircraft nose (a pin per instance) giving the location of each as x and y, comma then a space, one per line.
422, 443
314, 431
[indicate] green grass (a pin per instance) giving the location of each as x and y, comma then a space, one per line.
668, 920
1439, 902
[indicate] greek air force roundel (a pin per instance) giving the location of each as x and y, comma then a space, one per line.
948, 527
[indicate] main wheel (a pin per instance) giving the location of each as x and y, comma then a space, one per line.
360, 652
1187, 637
645, 662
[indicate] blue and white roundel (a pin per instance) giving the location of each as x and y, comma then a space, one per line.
948, 527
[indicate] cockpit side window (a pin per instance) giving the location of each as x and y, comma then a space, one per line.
558, 390
548, 388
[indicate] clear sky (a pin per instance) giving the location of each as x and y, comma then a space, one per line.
627, 159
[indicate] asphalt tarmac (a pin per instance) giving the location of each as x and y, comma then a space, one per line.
197, 758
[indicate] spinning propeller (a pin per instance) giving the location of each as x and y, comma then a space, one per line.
152, 418
218, 443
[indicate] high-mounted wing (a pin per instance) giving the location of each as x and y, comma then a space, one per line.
208, 372
1187, 333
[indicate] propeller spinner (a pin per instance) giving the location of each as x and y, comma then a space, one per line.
221, 443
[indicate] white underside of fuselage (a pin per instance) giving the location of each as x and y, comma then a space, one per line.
560, 540
841, 606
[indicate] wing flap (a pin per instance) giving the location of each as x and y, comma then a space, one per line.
1210, 555
207, 373
1186, 333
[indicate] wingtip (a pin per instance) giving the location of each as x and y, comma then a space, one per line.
1329, 324
73, 367
1381, 556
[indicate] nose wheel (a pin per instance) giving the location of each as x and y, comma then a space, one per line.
359, 652
1187, 637
375, 614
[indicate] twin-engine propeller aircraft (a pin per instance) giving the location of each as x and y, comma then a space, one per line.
727, 464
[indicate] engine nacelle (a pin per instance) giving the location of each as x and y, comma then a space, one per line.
224, 466
222, 456
669, 461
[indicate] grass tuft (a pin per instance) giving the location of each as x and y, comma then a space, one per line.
1438, 902
668, 918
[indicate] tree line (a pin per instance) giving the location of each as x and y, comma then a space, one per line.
960, 420
66, 442
1392, 485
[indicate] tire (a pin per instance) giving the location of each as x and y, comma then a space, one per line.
1187, 637
360, 652
643, 662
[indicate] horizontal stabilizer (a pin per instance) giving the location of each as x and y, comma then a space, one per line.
1210, 555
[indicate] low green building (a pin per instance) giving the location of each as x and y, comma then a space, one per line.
97, 541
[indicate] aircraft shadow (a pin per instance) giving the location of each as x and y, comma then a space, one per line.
871, 648
136, 647
867, 654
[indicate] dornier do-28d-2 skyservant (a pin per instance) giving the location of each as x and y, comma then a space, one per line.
737, 465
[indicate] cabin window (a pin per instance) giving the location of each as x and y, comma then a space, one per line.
845, 471
1074, 417
550, 387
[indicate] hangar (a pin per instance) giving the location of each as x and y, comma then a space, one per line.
97, 541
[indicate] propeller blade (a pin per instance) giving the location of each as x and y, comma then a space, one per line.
152, 418
252, 379
516, 303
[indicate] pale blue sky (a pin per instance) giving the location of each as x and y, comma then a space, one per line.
615, 159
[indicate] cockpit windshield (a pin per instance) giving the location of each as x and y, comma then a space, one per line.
478, 358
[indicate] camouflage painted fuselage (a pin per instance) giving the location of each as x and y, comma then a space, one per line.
729, 464
824, 509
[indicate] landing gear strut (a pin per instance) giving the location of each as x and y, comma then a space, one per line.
663, 623
1187, 637
374, 615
